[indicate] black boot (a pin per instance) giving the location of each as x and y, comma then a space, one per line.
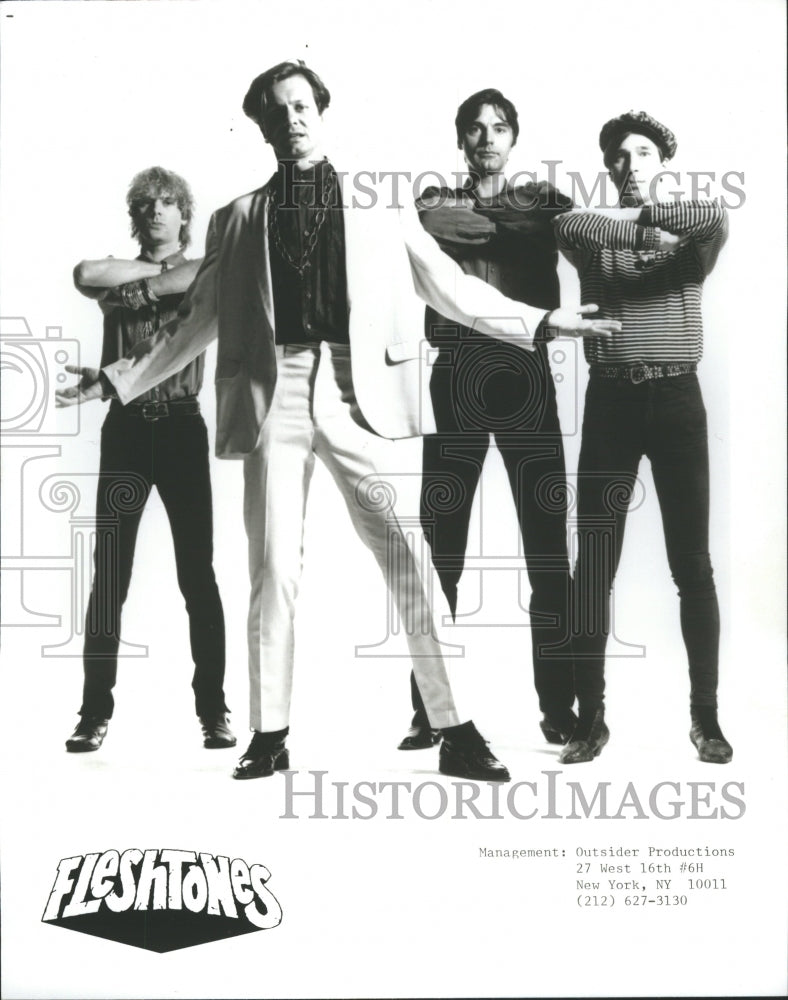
557, 726
421, 735
89, 734
265, 754
216, 732
465, 754
590, 736
707, 736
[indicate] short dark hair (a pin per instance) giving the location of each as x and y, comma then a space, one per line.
156, 181
467, 111
282, 71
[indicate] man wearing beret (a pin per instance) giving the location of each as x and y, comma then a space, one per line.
644, 263
312, 300
484, 389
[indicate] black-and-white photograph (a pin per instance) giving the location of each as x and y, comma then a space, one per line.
393, 499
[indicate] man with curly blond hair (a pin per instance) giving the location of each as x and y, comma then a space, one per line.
159, 440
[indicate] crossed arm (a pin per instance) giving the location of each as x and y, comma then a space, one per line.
442, 284
437, 279
175, 344
454, 226
452, 223
98, 279
645, 229
456, 223
102, 280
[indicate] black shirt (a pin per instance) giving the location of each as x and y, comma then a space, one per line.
123, 328
478, 382
311, 305
519, 256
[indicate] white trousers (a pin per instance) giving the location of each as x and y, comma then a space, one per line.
314, 412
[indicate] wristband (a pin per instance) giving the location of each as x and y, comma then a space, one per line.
544, 332
136, 294
148, 294
107, 388
647, 240
131, 295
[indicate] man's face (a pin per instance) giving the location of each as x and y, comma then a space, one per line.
291, 121
634, 164
158, 219
487, 141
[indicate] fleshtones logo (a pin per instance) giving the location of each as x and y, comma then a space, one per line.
161, 900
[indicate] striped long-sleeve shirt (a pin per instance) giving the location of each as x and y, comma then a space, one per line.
656, 295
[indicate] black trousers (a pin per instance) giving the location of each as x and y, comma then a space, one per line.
480, 389
171, 454
664, 419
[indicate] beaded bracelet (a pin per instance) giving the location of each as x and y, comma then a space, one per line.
137, 294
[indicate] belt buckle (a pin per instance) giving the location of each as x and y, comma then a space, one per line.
153, 409
638, 374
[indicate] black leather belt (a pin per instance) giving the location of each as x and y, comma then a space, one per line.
155, 409
641, 372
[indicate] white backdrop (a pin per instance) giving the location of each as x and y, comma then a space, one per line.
92, 93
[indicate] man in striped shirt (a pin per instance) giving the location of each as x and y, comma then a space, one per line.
644, 263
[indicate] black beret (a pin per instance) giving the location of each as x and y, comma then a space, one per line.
640, 123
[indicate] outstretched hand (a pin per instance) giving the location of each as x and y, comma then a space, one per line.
86, 389
567, 322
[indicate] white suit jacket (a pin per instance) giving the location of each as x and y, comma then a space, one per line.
389, 260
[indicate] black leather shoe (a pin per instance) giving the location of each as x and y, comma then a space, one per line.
216, 732
557, 727
89, 734
590, 736
420, 736
464, 754
707, 736
263, 756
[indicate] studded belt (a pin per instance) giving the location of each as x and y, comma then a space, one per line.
154, 409
641, 372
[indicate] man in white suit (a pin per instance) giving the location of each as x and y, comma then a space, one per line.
318, 354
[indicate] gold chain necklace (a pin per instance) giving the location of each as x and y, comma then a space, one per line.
312, 233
